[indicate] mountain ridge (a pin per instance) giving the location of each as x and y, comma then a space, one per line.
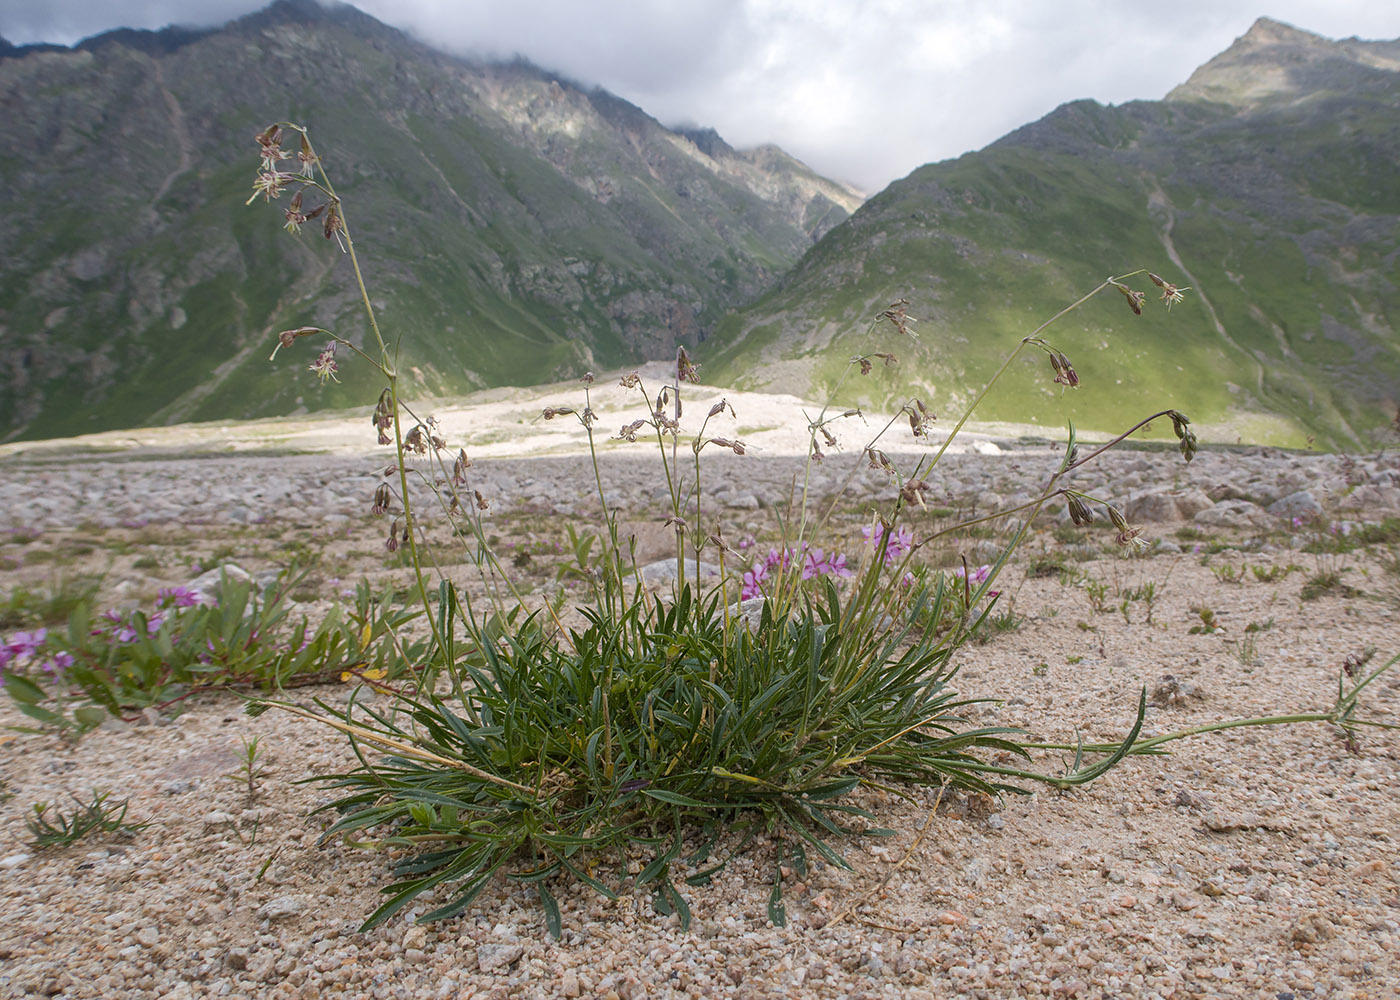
1279, 205
516, 227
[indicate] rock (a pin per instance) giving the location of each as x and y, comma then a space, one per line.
1151, 508
1237, 514
664, 571
986, 448
495, 957
1226, 491
281, 908
10, 861
1371, 498
207, 584
750, 612
1301, 504
1311, 928
148, 937
742, 501
1173, 693
1192, 799
216, 820
263, 965
1192, 501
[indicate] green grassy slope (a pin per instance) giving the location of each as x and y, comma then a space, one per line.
1282, 209
513, 228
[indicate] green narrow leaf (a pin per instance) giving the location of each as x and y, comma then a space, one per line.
552, 920
676, 798
678, 904
590, 881
23, 690
777, 912
654, 870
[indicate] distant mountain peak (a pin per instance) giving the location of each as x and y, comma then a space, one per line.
1267, 31
1276, 60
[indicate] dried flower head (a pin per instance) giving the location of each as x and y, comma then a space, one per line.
735, 446
1186, 438
913, 492
865, 365
307, 158
719, 408
294, 214
1171, 294
630, 381
333, 224
629, 431
898, 317
384, 416
289, 337
550, 412
383, 499
269, 184
1116, 516
416, 440
919, 417
1079, 512
1134, 298
879, 460
270, 136
678, 523
1131, 536
392, 542
686, 370
1064, 371
586, 378
816, 454
481, 502
269, 147
324, 366
460, 467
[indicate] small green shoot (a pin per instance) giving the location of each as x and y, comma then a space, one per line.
51, 828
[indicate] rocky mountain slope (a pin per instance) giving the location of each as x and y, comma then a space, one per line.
514, 227
1267, 182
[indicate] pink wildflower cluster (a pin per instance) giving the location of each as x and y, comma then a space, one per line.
180, 597
976, 575
814, 563
123, 628
25, 649
901, 541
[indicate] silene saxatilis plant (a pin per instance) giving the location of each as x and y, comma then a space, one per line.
638, 741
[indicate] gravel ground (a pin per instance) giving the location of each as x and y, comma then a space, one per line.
1253, 863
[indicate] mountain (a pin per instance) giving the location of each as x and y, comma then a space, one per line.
1267, 182
514, 227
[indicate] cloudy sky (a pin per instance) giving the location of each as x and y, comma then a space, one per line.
862, 90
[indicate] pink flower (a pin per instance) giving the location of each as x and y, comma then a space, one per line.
179, 597
977, 575
901, 541
22, 646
